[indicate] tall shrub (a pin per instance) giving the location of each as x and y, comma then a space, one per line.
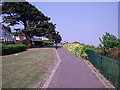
109, 41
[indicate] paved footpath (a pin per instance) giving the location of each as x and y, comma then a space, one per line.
74, 73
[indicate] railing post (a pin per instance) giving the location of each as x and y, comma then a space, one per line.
101, 64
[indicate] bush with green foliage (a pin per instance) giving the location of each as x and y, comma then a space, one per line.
65, 45
83, 53
78, 49
12, 48
1, 41
110, 46
109, 41
8, 42
27, 43
43, 42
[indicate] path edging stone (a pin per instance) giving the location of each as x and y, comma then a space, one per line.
47, 83
97, 74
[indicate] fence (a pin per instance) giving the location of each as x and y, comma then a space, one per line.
109, 67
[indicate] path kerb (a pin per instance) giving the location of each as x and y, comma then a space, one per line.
100, 76
46, 84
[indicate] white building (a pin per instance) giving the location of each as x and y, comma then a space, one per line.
5, 34
38, 38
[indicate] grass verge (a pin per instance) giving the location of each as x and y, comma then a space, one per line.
25, 69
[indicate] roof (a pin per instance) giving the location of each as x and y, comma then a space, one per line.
5, 34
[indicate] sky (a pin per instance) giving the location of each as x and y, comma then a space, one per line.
84, 22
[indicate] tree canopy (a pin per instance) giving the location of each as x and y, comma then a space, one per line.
109, 41
21, 13
33, 20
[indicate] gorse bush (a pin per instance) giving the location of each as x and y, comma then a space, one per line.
69, 47
12, 48
110, 46
78, 49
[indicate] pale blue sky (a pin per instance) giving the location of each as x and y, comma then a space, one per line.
82, 21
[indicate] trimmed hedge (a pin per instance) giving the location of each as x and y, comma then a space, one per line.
1, 41
43, 42
27, 43
8, 42
12, 48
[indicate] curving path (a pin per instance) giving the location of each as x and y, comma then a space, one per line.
74, 73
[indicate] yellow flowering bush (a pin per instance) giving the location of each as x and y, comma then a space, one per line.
70, 46
78, 49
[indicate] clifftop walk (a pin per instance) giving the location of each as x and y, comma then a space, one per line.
74, 73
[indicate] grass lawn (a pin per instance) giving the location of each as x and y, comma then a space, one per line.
26, 69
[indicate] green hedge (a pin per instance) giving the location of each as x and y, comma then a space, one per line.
1, 41
27, 43
43, 42
7, 42
12, 48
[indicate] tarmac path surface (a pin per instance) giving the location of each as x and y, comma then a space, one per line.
73, 72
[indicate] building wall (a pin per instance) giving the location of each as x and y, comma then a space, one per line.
5, 35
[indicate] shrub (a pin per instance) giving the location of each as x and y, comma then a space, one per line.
69, 47
109, 41
46, 42
43, 42
78, 49
1, 41
114, 52
12, 48
64, 45
98, 50
27, 43
8, 42
83, 53
110, 46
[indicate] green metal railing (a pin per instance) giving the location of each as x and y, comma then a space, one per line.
109, 67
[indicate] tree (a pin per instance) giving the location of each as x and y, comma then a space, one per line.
109, 41
8, 28
21, 13
33, 20
42, 29
57, 38
52, 34
46, 29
